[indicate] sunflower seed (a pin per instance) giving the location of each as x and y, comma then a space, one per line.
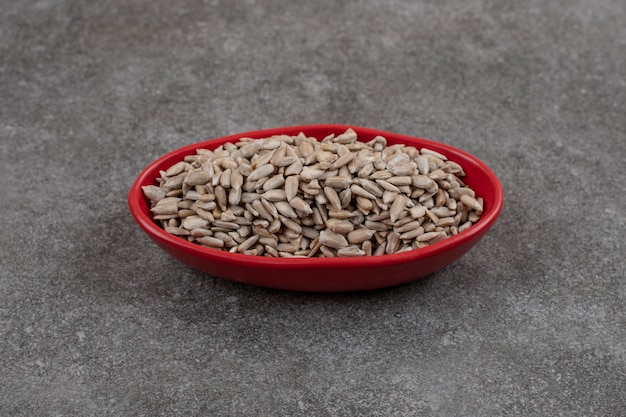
291, 187
252, 148
343, 160
165, 207
309, 173
442, 211
366, 247
400, 180
437, 175
345, 197
196, 177
471, 202
153, 192
285, 209
275, 195
473, 216
445, 221
333, 198
221, 197
294, 169
338, 182
418, 212
342, 227
426, 151
274, 182
456, 193
262, 210
371, 186
286, 247
301, 206
398, 205
465, 226
271, 252
349, 136
387, 186
407, 227
338, 214
422, 165
357, 190
427, 236
350, 251
194, 222
176, 169
210, 241
177, 231
332, 240
432, 216
360, 235
200, 232
393, 243
365, 205
270, 207
315, 247
248, 243
260, 172
327, 252
174, 182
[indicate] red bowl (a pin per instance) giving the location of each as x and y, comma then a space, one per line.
323, 274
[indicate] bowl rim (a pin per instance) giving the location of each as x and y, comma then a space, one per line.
149, 174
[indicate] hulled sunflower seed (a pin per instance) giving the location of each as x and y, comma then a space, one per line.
210, 241
407, 227
393, 243
275, 195
176, 169
248, 243
310, 173
360, 235
471, 202
398, 205
357, 190
285, 209
333, 198
294, 169
426, 151
291, 187
332, 240
427, 236
194, 222
153, 192
342, 227
301, 205
338, 182
350, 251
234, 196
260, 172
196, 177
275, 182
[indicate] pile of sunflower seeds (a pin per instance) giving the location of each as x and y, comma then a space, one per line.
295, 196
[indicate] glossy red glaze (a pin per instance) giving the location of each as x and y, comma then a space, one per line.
323, 274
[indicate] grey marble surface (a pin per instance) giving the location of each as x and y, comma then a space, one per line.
96, 321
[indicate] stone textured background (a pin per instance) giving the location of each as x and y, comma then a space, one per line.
96, 320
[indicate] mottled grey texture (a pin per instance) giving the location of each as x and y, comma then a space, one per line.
96, 320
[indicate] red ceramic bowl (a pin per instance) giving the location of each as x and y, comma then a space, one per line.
323, 274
